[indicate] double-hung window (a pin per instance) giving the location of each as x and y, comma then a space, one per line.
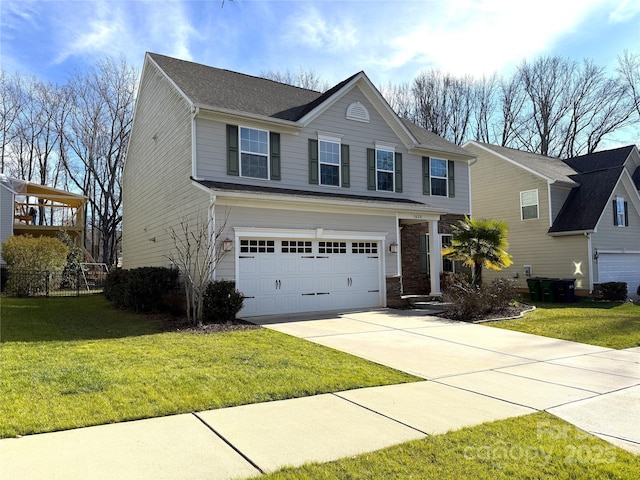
529, 204
620, 212
329, 160
254, 153
385, 169
439, 177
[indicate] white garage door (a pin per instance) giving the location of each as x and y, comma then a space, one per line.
289, 275
620, 267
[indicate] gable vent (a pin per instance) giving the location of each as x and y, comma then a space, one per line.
358, 112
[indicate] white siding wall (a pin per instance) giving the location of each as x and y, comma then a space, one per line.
6, 216
211, 153
243, 217
495, 187
157, 190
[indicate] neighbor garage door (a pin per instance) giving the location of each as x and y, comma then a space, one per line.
290, 275
620, 267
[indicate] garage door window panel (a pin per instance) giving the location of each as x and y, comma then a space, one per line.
332, 247
257, 246
296, 246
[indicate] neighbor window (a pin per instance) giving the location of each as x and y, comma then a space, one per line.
329, 160
385, 169
438, 173
620, 217
254, 153
529, 204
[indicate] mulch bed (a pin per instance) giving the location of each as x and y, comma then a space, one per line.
508, 313
179, 324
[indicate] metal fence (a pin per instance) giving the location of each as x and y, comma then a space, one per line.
23, 283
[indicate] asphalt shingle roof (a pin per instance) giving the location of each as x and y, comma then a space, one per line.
549, 167
636, 178
585, 204
244, 188
218, 88
600, 160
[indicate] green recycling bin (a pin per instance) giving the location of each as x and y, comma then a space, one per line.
534, 289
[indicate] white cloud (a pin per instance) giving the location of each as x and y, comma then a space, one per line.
314, 29
481, 37
626, 10
127, 29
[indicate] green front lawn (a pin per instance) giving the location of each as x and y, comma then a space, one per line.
612, 325
537, 446
73, 362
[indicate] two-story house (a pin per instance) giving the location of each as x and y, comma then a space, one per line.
317, 192
572, 219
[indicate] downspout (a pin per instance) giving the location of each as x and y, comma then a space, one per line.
211, 218
590, 254
195, 111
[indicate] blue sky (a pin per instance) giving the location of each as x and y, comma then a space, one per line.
391, 40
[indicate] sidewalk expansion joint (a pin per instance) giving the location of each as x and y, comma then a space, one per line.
381, 414
233, 447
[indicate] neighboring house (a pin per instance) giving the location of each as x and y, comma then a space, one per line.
313, 188
578, 218
55, 210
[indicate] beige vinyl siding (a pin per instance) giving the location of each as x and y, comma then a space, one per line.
6, 216
157, 190
299, 219
495, 188
211, 155
559, 195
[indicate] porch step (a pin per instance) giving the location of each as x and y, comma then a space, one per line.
433, 304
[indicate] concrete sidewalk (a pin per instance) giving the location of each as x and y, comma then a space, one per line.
475, 374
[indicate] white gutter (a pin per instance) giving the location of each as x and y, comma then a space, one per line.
194, 150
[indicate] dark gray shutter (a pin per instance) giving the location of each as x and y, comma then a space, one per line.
274, 139
424, 253
626, 214
371, 169
344, 159
615, 213
398, 166
452, 178
233, 165
426, 176
313, 161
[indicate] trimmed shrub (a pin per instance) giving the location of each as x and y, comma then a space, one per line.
471, 302
40, 255
140, 289
613, 291
222, 302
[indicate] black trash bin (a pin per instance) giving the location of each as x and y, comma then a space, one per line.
565, 290
547, 290
534, 289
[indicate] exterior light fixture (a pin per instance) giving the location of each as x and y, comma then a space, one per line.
393, 247
227, 245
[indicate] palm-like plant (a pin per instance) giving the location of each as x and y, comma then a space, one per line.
479, 243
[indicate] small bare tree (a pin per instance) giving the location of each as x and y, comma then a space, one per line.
197, 254
307, 79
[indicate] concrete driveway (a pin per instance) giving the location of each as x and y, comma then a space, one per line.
595, 388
